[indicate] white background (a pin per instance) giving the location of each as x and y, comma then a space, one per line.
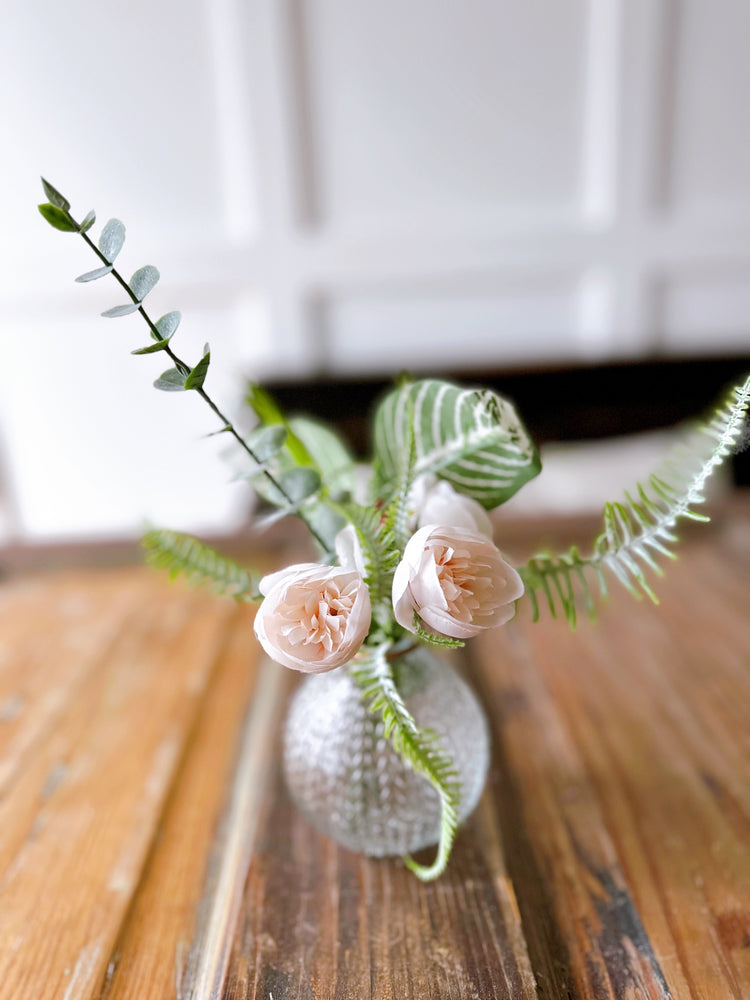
339, 186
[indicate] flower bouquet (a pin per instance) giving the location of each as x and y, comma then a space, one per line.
388, 750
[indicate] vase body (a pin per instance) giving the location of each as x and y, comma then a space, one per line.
347, 779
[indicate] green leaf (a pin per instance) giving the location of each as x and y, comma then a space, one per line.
299, 484
112, 239
143, 281
635, 533
268, 412
330, 454
88, 222
58, 218
124, 310
58, 200
167, 325
265, 442
264, 405
159, 345
182, 555
170, 381
197, 376
98, 272
419, 748
472, 438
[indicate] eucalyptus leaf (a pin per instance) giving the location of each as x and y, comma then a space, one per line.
55, 197
265, 442
168, 324
159, 345
269, 413
143, 281
197, 376
329, 453
299, 484
170, 381
112, 239
93, 275
58, 218
126, 310
88, 221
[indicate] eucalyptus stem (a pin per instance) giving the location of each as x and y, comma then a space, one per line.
185, 368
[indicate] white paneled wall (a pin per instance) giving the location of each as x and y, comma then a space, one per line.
342, 186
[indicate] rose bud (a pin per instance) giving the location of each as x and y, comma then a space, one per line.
456, 581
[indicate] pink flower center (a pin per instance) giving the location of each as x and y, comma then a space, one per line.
317, 617
467, 584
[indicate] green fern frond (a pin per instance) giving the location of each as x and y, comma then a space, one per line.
432, 638
202, 566
378, 547
641, 529
418, 748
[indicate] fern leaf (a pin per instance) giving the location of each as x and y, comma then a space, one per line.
378, 547
418, 748
182, 555
637, 531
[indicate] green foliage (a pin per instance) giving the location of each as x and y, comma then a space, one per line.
99, 272
125, 310
640, 530
196, 378
267, 441
144, 279
171, 380
182, 555
88, 221
54, 196
112, 239
326, 451
166, 326
472, 438
158, 345
432, 638
269, 414
58, 218
378, 548
418, 748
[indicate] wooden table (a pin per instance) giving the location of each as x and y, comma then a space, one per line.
148, 848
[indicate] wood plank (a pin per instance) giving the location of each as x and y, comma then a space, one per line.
169, 941
77, 846
320, 923
613, 756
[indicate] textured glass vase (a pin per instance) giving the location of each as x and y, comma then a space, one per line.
347, 779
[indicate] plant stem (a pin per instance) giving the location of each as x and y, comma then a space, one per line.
183, 367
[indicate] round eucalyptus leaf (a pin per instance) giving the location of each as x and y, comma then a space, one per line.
170, 381
300, 483
265, 442
112, 239
168, 324
143, 281
99, 272
126, 310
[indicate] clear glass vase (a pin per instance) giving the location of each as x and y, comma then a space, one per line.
347, 779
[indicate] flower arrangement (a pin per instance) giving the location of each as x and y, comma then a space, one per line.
413, 560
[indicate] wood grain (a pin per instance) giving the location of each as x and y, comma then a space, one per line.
148, 848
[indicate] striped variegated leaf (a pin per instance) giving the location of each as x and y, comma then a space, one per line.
473, 438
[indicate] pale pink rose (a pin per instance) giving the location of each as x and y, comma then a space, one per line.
456, 581
313, 618
435, 501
